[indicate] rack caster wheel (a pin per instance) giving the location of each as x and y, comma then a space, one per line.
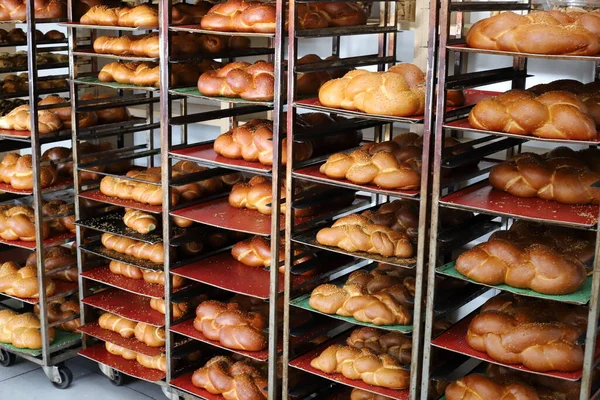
170, 395
117, 379
65, 377
7, 359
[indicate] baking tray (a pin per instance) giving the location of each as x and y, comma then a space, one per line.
463, 48
98, 249
184, 383
198, 29
186, 328
464, 125
63, 289
127, 305
194, 92
107, 27
137, 286
94, 330
205, 154
98, 353
303, 363
582, 296
454, 340
61, 341
97, 195
482, 197
309, 238
51, 241
113, 223
94, 81
60, 185
92, 53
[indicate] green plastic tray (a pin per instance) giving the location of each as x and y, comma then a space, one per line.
114, 85
582, 296
194, 92
61, 340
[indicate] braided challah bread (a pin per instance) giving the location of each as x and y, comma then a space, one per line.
551, 115
120, 325
141, 192
550, 177
120, 351
254, 195
18, 223
142, 250
543, 32
22, 330
152, 336
539, 336
139, 221
158, 362
15, 10
61, 216
17, 171
22, 282
57, 258
356, 233
147, 74
84, 119
178, 310
477, 386
240, 80
256, 252
143, 15
377, 370
126, 270
59, 310
398, 215
158, 278
232, 326
382, 342
359, 394
19, 120
233, 380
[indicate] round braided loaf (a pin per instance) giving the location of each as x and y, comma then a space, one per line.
22, 330
22, 282
18, 172
18, 223
240, 79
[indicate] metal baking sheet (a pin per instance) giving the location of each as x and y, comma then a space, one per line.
198, 29
92, 53
51, 241
98, 249
205, 154
113, 223
194, 92
464, 125
107, 27
93, 329
312, 173
454, 339
184, 383
303, 363
482, 197
137, 286
127, 305
186, 328
99, 354
62, 340
63, 289
582, 296
309, 238
463, 48
60, 185
97, 195
122, 86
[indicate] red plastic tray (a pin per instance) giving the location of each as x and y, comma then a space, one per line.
303, 363
225, 272
93, 329
312, 173
51, 241
63, 289
63, 183
205, 153
137, 286
482, 197
127, 305
184, 383
454, 339
97, 195
99, 354
186, 328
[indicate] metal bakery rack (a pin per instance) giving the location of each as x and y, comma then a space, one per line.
493, 208
53, 352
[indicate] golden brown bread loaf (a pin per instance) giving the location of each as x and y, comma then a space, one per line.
477, 386
120, 351
240, 80
530, 256
542, 32
22, 330
55, 258
551, 115
126, 189
60, 216
22, 282
143, 15
232, 326
158, 362
256, 252
549, 177
147, 74
398, 215
178, 309
254, 195
85, 119
143, 251
152, 336
542, 336
59, 310
139, 221
15, 10
158, 278
382, 342
17, 171
377, 370
18, 223
19, 120
233, 380
120, 325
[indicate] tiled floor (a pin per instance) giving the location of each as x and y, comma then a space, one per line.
25, 380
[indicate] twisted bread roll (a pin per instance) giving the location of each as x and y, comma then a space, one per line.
18, 172
232, 327
233, 380
62, 214
18, 223
85, 119
120, 325
150, 335
543, 32
256, 252
397, 92
393, 343
139, 221
22, 330
400, 288
552, 115
59, 310
356, 233
143, 15
134, 248
254, 195
359, 394
253, 142
19, 120
158, 278
126, 270
377, 370
158, 362
147, 74
56, 258
398, 215
120, 351
141, 192
178, 309
477, 386
565, 180
240, 79
15, 10
22, 282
